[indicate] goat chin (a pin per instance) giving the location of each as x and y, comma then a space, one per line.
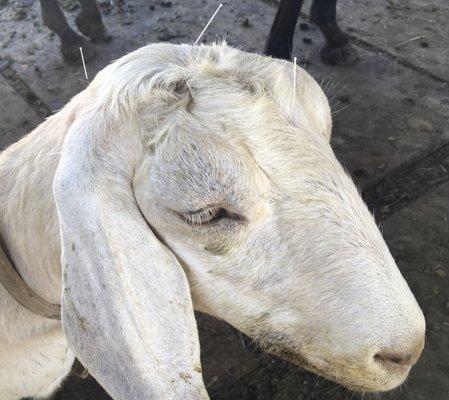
194, 175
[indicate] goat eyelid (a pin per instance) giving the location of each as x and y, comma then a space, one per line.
209, 215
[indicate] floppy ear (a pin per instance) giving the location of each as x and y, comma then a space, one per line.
126, 306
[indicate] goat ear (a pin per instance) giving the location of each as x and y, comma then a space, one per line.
126, 306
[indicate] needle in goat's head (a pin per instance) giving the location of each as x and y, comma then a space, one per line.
207, 25
84, 64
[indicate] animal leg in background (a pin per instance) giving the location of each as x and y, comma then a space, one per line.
90, 23
337, 49
280, 39
55, 20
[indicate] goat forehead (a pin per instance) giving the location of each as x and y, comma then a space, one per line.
202, 169
257, 137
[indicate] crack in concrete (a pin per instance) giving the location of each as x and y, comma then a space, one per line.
24, 91
408, 183
400, 60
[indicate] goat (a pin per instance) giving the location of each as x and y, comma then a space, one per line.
337, 49
193, 177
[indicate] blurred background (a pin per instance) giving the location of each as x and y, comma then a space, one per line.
391, 131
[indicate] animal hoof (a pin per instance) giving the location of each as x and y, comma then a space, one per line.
93, 29
71, 51
343, 55
106, 38
277, 49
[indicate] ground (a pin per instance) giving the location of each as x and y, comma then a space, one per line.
391, 132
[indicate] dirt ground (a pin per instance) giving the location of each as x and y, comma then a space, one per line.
391, 132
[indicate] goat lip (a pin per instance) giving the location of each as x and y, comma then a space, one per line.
286, 354
322, 368
364, 382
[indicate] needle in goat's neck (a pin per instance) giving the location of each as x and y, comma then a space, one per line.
294, 78
207, 25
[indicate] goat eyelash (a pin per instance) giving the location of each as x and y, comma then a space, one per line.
209, 215
205, 216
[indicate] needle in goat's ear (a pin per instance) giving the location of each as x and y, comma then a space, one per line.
294, 78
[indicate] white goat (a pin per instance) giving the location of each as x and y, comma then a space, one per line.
193, 177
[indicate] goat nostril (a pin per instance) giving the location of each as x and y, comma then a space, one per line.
397, 360
406, 360
394, 358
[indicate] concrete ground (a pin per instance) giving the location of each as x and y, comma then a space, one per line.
391, 132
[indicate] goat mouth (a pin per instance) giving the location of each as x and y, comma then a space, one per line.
295, 357
287, 353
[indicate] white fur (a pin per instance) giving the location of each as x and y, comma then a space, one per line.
298, 263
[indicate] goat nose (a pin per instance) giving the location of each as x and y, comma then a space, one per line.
405, 359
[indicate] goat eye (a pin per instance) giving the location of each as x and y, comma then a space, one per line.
209, 216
